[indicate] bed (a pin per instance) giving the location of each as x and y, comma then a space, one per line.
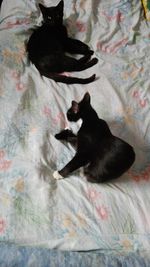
72, 222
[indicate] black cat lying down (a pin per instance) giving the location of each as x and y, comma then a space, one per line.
103, 155
48, 44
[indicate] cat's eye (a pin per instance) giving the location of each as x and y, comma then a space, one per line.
49, 17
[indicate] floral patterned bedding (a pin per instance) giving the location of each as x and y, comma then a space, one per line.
73, 214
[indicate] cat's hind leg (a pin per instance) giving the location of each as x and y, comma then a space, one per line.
84, 59
74, 46
97, 172
59, 63
91, 171
72, 64
78, 161
53, 66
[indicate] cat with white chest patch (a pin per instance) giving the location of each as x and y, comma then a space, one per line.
103, 155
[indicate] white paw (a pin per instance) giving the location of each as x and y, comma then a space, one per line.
57, 176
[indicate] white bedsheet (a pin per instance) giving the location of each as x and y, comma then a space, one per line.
73, 214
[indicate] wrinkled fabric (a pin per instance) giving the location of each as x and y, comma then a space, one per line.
12, 255
73, 214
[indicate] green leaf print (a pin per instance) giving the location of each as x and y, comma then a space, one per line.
148, 4
129, 225
30, 213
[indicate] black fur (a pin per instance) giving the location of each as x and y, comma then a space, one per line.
103, 155
49, 43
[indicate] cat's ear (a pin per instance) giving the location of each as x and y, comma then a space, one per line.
42, 8
61, 5
87, 97
75, 107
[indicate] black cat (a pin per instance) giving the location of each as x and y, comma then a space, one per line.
103, 155
49, 43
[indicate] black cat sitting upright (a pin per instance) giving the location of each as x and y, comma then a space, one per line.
103, 155
48, 44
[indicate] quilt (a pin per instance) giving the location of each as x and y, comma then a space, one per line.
73, 214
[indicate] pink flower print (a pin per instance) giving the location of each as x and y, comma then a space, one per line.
10, 24
47, 111
136, 178
145, 175
112, 48
81, 26
118, 45
93, 194
2, 154
118, 16
20, 86
2, 225
15, 75
102, 212
61, 118
143, 103
4, 164
136, 94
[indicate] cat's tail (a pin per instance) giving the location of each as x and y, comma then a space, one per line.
68, 79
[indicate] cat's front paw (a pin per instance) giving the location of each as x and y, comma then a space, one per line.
63, 134
57, 176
